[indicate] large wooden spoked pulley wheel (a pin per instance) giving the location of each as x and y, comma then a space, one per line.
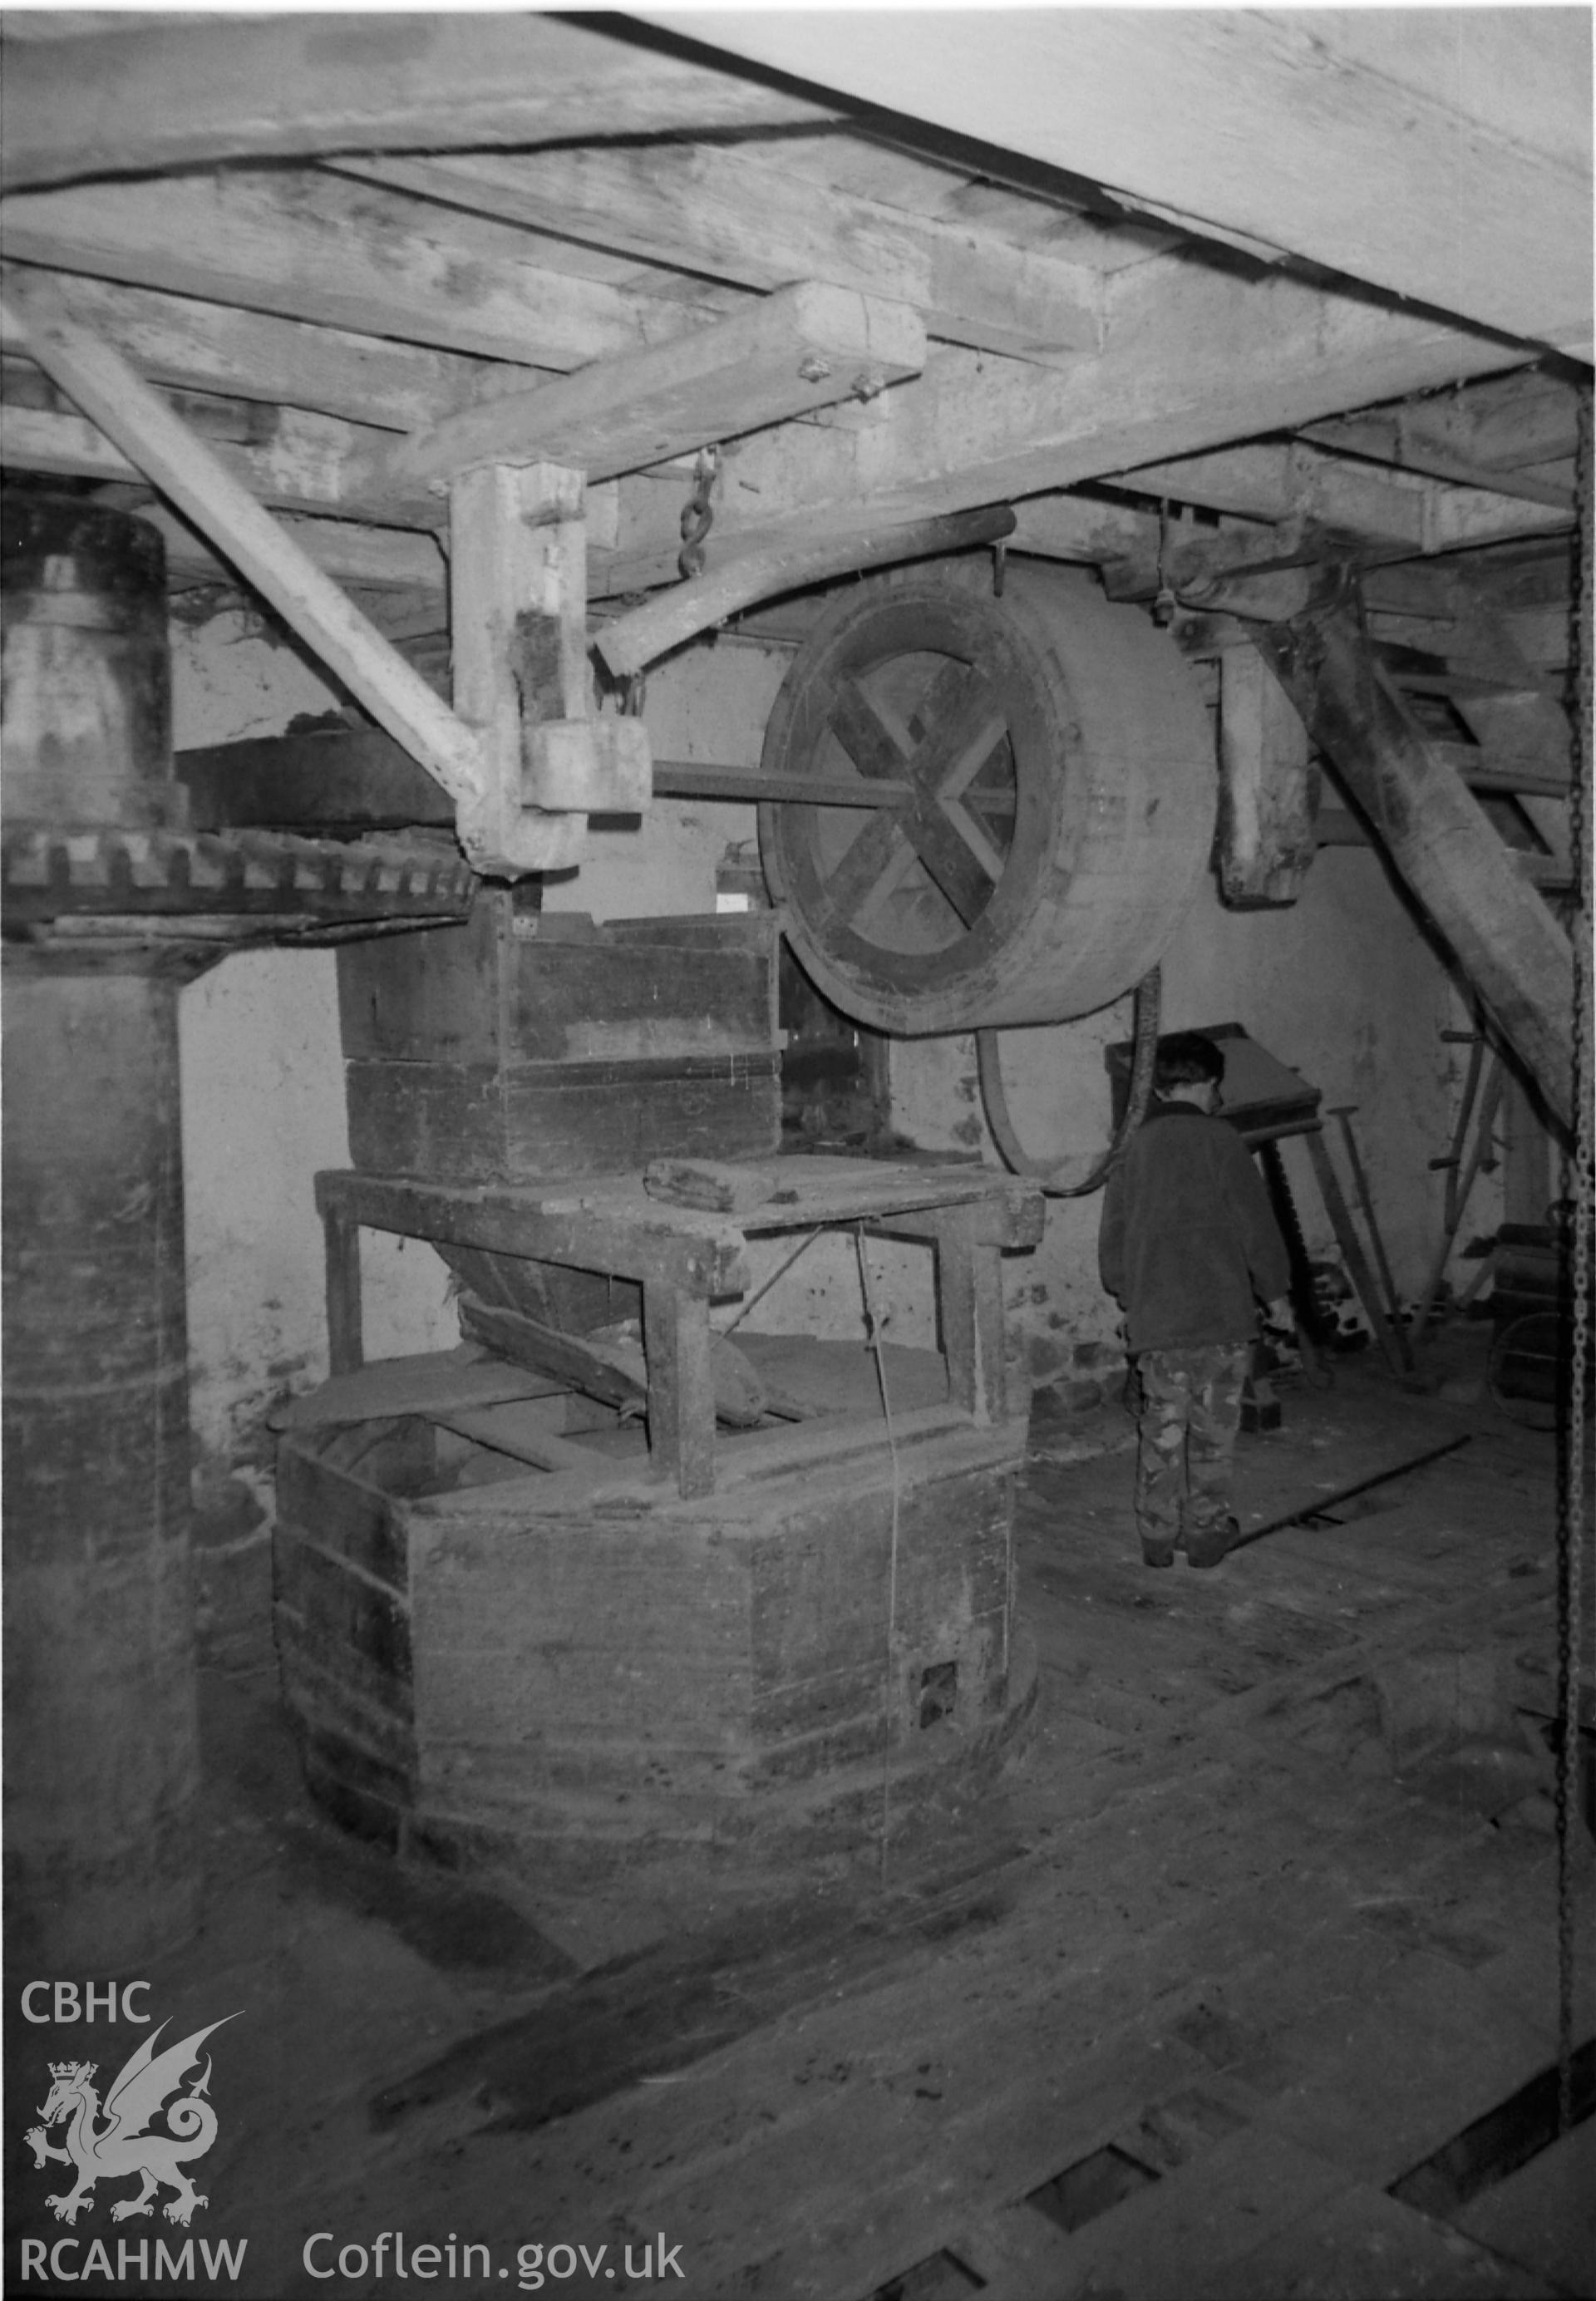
1026, 795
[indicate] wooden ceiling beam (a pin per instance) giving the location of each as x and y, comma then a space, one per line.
314, 247
301, 463
1191, 358
368, 558
1269, 480
806, 346
116, 102
1382, 441
709, 210
1442, 154
197, 346
1501, 424
1286, 481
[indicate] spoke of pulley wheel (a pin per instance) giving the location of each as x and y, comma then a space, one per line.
880, 845
869, 856
872, 744
958, 751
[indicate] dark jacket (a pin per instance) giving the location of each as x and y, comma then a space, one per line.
1189, 1240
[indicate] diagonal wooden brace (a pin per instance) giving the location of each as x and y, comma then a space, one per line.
502, 827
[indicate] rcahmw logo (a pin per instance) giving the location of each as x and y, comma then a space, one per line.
120, 2141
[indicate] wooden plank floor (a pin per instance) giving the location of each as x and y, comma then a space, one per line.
1207, 1927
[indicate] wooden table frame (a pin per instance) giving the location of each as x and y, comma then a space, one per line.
684, 1261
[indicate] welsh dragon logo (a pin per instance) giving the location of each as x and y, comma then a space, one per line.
123, 2145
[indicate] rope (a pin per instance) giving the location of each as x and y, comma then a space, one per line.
1574, 1514
1056, 1180
873, 1328
780, 1271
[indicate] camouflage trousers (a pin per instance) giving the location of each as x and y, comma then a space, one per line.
1190, 1410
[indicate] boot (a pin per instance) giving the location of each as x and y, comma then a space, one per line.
1213, 1544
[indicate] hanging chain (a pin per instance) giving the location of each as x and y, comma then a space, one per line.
1165, 603
697, 513
1571, 1531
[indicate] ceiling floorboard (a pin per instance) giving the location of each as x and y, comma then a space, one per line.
702, 209
170, 95
1442, 185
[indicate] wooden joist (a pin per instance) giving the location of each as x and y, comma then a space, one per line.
805, 347
371, 558
314, 246
169, 96
708, 209
296, 461
184, 342
1189, 358
1386, 441
970, 431
1488, 434
1281, 481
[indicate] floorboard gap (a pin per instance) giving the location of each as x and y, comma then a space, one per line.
1090, 2187
1498, 2143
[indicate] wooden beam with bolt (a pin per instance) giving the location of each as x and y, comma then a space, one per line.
497, 834
806, 346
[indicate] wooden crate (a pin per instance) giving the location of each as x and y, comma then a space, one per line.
522, 1047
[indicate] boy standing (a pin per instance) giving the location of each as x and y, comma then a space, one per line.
1188, 1241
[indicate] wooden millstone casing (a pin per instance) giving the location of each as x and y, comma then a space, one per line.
568, 1675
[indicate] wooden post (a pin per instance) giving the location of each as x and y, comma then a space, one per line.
346, 1346
1266, 819
681, 1387
1346, 1238
970, 1307
1460, 1182
1342, 1115
518, 614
